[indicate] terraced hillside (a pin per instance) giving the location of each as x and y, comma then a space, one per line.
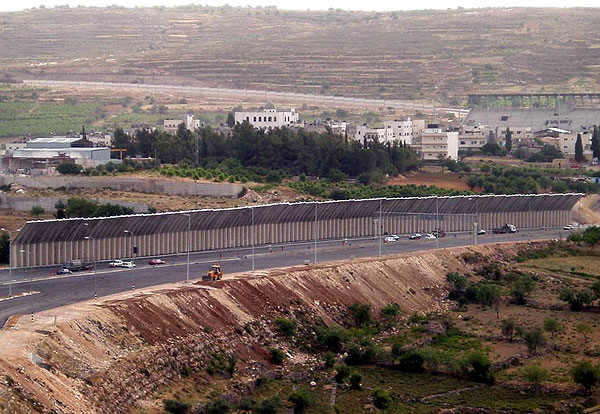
404, 55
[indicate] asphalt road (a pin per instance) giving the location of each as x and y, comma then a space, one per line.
53, 291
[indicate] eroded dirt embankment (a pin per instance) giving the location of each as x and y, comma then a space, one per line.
102, 357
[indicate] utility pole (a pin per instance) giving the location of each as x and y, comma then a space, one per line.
187, 277
95, 283
132, 257
253, 235
437, 219
380, 225
316, 230
7, 395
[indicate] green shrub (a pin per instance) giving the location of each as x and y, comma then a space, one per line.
69, 168
300, 399
586, 375
381, 399
333, 338
269, 405
355, 380
411, 361
277, 356
286, 326
390, 311
176, 407
217, 407
361, 313
342, 372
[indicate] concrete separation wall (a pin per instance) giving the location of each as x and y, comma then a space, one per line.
55, 241
145, 185
23, 203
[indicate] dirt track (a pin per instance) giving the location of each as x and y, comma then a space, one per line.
102, 357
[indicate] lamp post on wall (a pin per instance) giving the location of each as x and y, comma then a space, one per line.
9, 262
30, 280
132, 256
316, 231
253, 235
529, 218
95, 282
187, 275
437, 219
380, 225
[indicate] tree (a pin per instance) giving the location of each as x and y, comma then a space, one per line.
553, 326
286, 326
489, 294
510, 328
4, 247
268, 405
458, 282
277, 356
576, 299
300, 399
60, 207
230, 120
480, 367
381, 399
535, 375
508, 144
584, 329
361, 313
492, 148
546, 154
579, 156
69, 168
586, 375
37, 211
342, 372
596, 142
411, 361
390, 311
355, 380
595, 153
534, 339
522, 288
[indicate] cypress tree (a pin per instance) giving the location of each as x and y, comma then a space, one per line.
596, 142
579, 157
508, 139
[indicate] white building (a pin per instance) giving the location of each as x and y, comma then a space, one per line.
188, 120
434, 144
40, 153
398, 130
565, 141
269, 117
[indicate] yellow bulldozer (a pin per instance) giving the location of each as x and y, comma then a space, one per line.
214, 273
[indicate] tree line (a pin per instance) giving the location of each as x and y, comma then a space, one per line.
283, 150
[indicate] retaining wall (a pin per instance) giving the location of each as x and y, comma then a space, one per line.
24, 203
145, 185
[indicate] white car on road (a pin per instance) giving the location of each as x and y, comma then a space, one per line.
430, 236
390, 239
128, 265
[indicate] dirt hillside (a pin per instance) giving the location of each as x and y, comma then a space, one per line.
113, 354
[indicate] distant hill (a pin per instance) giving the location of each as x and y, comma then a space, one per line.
405, 55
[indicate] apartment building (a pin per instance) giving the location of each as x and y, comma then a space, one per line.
434, 144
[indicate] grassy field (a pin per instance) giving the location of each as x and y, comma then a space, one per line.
401, 54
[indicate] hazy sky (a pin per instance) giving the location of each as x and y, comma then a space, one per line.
380, 5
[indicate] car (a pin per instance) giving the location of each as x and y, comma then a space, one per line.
390, 239
430, 236
415, 236
481, 232
155, 262
116, 263
568, 227
63, 271
395, 236
128, 265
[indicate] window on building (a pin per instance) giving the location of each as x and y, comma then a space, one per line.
270, 119
254, 119
248, 118
274, 119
